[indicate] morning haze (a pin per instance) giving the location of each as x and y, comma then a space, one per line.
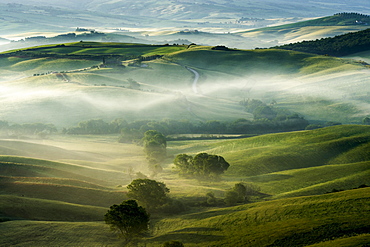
181, 123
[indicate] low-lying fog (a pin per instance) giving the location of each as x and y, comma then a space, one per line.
67, 104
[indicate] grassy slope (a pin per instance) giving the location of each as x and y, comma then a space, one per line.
46, 233
293, 222
287, 222
46, 187
245, 62
51, 210
296, 163
297, 81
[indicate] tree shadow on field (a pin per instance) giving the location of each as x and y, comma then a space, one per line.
269, 177
198, 229
189, 237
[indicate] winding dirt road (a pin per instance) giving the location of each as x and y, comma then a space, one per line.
196, 78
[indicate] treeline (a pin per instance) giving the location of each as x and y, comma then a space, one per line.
341, 45
18, 130
267, 119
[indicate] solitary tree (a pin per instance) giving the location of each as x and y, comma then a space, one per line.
150, 193
231, 198
154, 146
366, 120
129, 219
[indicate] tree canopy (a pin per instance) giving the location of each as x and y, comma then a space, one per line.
202, 165
154, 146
150, 193
128, 218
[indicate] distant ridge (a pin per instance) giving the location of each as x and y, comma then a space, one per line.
341, 45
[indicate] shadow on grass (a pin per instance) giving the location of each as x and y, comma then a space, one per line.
198, 229
205, 215
268, 178
188, 237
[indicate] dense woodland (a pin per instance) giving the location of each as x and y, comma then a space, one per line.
341, 45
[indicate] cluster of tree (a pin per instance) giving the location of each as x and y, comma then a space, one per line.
221, 48
134, 131
201, 166
268, 118
240, 193
96, 127
322, 125
341, 45
153, 195
15, 130
131, 218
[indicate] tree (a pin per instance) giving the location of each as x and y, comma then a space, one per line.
150, 193
366, 121
211, 199
240, 193
241, 190
231, 198
155, 146
128, 218
202, 166
133, 84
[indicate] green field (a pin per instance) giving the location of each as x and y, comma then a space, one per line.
70, 182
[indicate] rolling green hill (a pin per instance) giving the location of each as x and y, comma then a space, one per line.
297, 169
296, 163
288, 222
340, 217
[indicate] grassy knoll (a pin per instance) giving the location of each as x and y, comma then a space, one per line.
296, 163
288, 222
242, 62
274, 152
297, 221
